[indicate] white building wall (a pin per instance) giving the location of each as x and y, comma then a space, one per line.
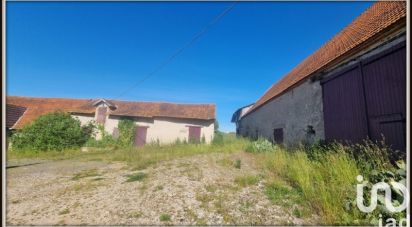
163, 129
167, 130
83, 118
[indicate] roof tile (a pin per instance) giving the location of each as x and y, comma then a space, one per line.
39, 106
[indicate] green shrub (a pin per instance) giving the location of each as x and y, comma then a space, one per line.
127, 128
260, 145
53, 131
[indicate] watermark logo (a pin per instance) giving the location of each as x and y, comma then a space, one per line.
374, 196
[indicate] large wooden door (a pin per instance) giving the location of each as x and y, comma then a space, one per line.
368, 100
140, 136
385, 93
344, 107
194, 134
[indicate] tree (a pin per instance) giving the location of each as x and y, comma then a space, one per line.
216, 126
127, 129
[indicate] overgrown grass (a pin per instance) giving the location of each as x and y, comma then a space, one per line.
138, 158
247, 180
321, 181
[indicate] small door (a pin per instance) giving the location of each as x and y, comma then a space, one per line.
278, 135
194, 134
140, 136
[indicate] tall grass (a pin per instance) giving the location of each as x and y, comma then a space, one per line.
138, 158
322, 179
322, 186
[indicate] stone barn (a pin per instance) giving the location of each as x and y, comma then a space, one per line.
352, 88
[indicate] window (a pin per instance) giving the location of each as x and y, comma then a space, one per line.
278, 135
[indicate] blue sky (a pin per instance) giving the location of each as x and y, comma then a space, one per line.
99, 49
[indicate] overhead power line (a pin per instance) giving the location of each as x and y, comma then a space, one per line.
197, 36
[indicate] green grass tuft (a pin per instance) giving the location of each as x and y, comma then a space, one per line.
136, 177
165, 217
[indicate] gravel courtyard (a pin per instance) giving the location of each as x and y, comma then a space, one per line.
201, 189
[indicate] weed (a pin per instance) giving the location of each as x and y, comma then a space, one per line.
245, 206
238, 163
210, 188
165, 217
85, 173
159, 188
65, 211
260, 145
135, 214
247, 180
136, 177
297, 213
204, 198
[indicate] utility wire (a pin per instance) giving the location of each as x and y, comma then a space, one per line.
179, 51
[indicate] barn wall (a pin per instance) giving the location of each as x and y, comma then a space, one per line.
302, 106
293, 111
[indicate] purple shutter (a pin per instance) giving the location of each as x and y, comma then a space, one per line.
140, 136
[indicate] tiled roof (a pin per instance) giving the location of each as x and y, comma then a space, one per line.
39, 106
372, 22
13, 114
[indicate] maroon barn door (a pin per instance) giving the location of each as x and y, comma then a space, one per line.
368, 100
140, 136
385, 93
344, 107
194, 134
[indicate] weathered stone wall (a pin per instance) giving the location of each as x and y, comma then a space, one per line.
295, 111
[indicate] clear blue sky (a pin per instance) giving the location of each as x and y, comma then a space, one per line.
98, 49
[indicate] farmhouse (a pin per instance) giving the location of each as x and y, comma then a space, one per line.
350, 89
155, 121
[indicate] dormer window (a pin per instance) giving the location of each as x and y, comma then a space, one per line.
104, 103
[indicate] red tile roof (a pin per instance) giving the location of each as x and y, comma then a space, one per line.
13, 114
39, 106
368, 25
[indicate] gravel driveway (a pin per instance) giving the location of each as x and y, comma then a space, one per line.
200, 189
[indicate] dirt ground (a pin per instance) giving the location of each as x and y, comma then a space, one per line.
200, 189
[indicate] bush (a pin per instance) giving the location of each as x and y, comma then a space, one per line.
260, 145
53, 131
